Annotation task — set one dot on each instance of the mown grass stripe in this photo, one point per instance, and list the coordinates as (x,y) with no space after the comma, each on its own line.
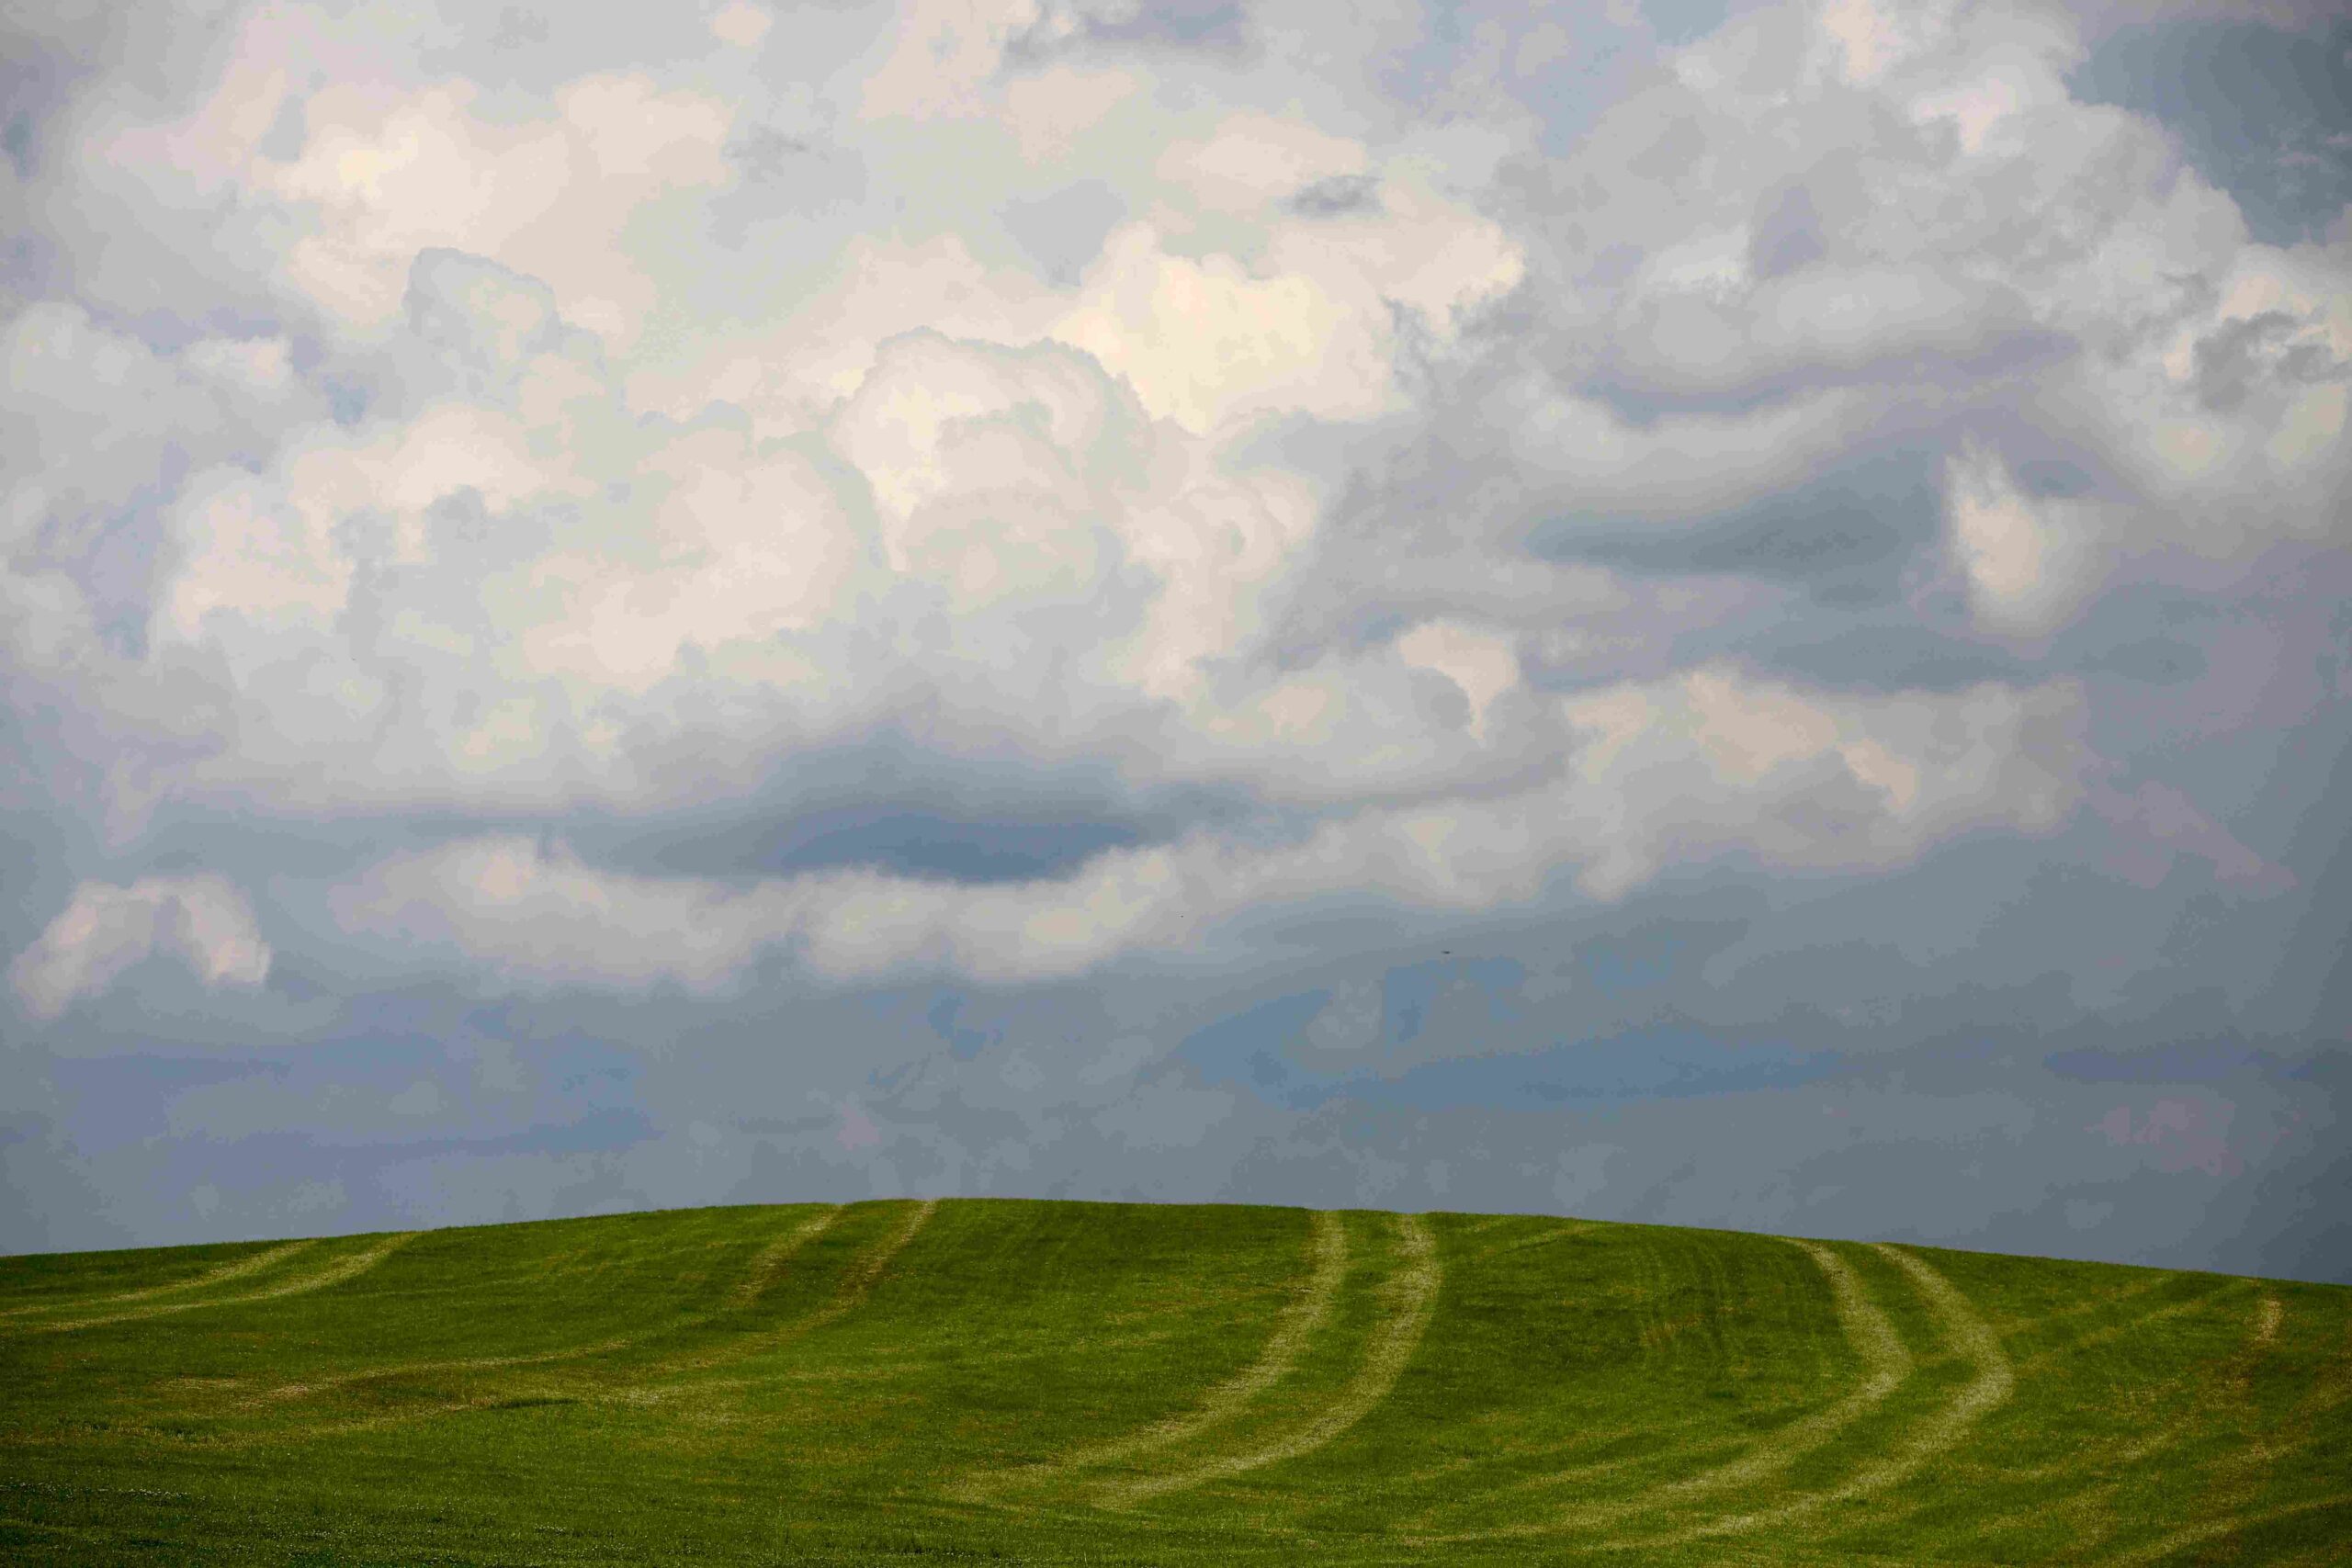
(761,1274)
(2138,1323)
(858,1282)
(2198,1534)
(1994,1384)
(236,1269)
(660,1384)
(1294,1327)
(2185,1386)
(338,1272)
(1887,1364)
(1637,1389)
(1410,1295)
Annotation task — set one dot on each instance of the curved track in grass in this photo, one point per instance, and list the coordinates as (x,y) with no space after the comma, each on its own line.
(1061,1383)
(1407,1294)
(345,1266)
(235,1269)
(1320,1289)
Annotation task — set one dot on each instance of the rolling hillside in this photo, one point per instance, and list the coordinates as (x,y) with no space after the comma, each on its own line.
(1067,1383)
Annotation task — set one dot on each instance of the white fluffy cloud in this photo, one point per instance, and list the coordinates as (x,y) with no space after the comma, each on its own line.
(205,922)
(607,444)
(386,176)
(2028,560)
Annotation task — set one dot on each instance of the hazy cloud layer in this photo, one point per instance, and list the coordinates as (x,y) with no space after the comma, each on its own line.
(1727,613)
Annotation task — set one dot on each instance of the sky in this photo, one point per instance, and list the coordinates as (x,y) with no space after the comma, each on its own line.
(1687,613)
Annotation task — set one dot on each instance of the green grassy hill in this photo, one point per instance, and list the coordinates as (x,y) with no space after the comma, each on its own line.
(1074,1382)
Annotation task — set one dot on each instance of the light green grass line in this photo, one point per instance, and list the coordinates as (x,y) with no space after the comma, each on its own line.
(661,1387)
(1994,1381)
(2034,1322)
(2088,1513)
(856,1284)
(2136,1323)
(2333,1385)
(1162,1527)
(1419,1528)
(2270,1314)
(1495,1250)
(311,1387)
(1328,1252)
(335,1273)
(2328,1390)
(236,1269)
(1674,1371)
(1411,1296)
(761,1276)
(867,1272)
(773,1257)
(2179,1542)
(1885,1362)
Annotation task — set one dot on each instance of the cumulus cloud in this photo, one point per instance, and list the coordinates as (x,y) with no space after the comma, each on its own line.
(205,922)
(2028,560)
(501,584)
(381,177)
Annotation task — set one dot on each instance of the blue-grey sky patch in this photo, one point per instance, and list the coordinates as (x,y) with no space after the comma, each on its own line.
(1215,28)
(1787,234)
(1676,22)
(1063,230)
(2264,112)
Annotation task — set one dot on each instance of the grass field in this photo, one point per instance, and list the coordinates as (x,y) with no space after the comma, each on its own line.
(1067,1383)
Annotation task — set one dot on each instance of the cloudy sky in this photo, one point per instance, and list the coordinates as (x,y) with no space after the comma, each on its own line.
(1675,612)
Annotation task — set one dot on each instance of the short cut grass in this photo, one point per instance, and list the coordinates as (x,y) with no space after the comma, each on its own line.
(1096,1383)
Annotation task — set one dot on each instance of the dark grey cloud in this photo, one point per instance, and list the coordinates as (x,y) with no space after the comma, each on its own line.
(2235,359)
